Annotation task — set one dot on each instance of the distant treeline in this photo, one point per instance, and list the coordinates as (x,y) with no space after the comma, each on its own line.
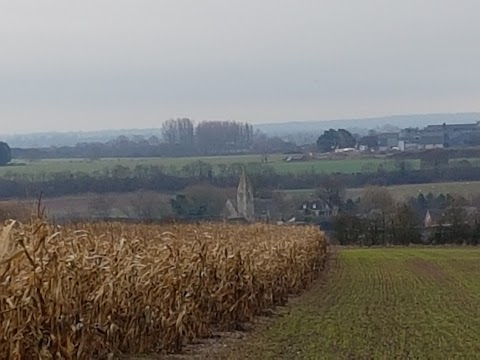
(401,229)
(375,219)
(180,137)
(263,177)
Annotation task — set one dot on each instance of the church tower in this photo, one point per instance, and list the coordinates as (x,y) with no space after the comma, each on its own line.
(245,198)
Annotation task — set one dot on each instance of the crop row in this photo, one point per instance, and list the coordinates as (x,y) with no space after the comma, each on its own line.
(92,290)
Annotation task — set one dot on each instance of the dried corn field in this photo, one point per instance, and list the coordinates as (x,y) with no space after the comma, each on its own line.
(95,290)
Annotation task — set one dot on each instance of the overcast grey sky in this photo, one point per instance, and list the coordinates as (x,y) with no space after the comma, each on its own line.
(95,64)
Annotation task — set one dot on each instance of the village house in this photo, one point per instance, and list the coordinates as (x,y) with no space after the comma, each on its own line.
(317,208)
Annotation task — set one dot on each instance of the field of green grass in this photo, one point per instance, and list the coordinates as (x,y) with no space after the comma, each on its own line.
(171,165)
(276,161)
(397,303)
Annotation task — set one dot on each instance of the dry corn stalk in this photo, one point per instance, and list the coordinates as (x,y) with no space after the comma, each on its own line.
(92,290)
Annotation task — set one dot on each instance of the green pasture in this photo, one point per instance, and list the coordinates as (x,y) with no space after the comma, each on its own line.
(172,165)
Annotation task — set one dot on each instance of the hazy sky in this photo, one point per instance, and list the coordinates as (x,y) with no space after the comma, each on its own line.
(92,64)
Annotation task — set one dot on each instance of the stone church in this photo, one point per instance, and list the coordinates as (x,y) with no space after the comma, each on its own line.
(245,205)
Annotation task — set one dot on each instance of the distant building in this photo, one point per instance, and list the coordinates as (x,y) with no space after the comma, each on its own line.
(454,134)
(388,141)
(317,208)
(440,136)
(438,217)
(453,128)
(345,150)
(368,143)
(410,138)
(430,137)
(432,141)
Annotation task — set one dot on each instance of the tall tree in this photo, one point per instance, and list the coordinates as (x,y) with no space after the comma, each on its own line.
(170,131)
(214,137)
(404,229)
(185,131)
(379,203)
(332,191)
(178,132)
(328,141)
(377,198)
(5,154)
(345,139)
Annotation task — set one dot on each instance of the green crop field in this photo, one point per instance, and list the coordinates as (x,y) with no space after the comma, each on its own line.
(398,303)
(170,164)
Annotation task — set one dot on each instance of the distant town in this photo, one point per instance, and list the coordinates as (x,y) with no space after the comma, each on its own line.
(430,137)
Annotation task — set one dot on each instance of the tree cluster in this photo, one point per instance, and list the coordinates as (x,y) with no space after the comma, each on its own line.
(376,219)
(180,138)
(335,139)
(178,132)
(208,137)
(5,154)
(199,201)
(220,137)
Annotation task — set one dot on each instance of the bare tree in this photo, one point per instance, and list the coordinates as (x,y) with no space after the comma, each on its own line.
(377,198)
(332,191)
(185,132)
(178,131)
(170,131)
(284,205)
(378,202)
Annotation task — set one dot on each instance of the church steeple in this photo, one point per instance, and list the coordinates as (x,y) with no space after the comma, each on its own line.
(245,198)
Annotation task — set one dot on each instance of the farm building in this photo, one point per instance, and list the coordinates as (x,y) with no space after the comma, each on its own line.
(388,141)
(432,141)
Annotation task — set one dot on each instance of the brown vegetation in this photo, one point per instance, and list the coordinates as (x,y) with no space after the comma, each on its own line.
(14,210)
(92,290)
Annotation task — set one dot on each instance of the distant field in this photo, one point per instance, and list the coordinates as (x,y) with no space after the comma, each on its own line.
(401,192)
(400,303)
(281,166)
(119,204)
(466,189)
